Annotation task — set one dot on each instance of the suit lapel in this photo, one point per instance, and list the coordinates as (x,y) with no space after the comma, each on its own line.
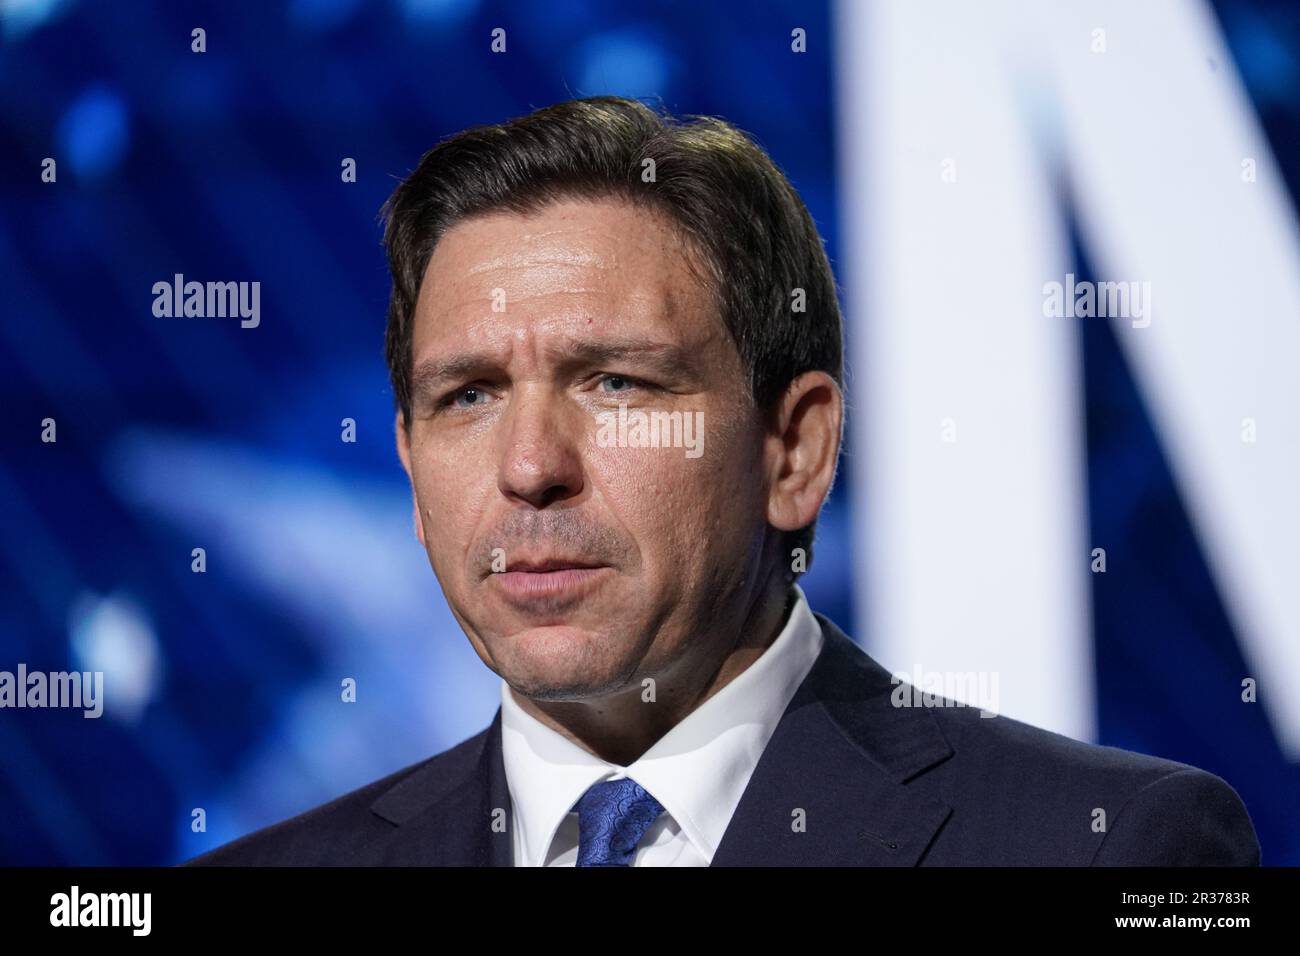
(450,813)
(829,787)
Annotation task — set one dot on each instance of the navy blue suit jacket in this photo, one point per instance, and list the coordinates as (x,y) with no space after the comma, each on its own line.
(878,784)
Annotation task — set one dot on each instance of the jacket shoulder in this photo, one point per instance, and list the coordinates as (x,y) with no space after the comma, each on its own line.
(1129,808)
(1188,817)
(1023,795)
(333,833)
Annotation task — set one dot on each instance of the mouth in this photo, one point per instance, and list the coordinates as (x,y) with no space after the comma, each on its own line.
(549,578)
(548,565)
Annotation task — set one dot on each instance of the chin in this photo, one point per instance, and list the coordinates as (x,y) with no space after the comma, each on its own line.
(570,686)
(562,662)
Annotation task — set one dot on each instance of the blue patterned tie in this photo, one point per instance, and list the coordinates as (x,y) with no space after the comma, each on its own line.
(613,816)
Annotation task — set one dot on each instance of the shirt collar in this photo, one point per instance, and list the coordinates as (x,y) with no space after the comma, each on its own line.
(698,770)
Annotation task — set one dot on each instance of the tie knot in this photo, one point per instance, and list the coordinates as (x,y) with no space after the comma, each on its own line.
(613,816)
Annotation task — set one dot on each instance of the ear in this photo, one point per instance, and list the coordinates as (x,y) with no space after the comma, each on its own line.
(404,453)
(803,450)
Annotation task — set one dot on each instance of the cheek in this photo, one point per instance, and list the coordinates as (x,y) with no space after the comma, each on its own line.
(679,509)
(452,490)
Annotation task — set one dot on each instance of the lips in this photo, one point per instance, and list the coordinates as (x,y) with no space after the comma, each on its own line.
(545,565)
(527,580)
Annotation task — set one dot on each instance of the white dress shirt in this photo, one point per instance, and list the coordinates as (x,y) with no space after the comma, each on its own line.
(697,771)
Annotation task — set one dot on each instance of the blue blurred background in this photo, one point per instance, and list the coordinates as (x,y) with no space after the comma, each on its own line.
(175,434)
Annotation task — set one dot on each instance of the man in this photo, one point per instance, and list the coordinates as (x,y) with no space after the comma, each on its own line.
(615,345)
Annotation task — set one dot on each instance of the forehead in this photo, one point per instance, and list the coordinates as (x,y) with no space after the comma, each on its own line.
(574,265)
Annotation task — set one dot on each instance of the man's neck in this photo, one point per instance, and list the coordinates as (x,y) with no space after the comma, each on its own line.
(620,727)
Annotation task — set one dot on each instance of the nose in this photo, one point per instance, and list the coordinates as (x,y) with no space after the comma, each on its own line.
(539,463)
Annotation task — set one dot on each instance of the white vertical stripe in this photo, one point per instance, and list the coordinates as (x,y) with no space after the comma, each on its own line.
(976,558)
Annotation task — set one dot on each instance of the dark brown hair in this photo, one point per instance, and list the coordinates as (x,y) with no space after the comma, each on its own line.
(730,202)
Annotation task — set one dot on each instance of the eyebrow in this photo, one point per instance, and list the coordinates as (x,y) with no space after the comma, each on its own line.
(664,358)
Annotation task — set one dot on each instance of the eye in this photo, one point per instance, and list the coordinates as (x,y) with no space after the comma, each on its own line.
(631,383)
(473,395)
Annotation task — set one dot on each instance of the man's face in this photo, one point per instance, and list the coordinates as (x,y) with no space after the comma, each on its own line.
(527,329)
